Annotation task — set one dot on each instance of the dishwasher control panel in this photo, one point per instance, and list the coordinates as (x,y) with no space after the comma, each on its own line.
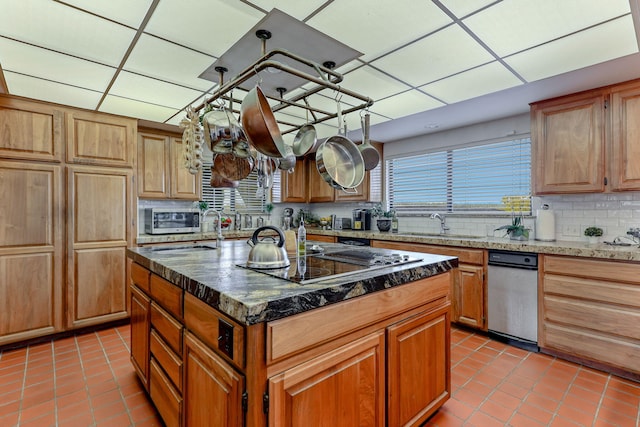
(514,259)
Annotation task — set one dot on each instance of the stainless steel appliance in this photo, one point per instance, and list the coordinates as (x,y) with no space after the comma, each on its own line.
(361,219)
(336,263)
(513,298)
(171,220)
(353,241)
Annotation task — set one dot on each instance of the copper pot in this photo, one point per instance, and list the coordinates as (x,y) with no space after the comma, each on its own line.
(260,124)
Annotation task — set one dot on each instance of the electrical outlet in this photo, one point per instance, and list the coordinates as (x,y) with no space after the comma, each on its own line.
(571,230)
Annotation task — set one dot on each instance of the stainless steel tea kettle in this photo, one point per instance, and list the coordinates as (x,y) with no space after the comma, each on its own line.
(266,253)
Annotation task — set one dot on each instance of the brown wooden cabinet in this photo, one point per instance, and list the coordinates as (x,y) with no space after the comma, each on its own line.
(294,185)
(589,309)
(469,289)
(161,174)
(585,143)
(98,233)
(140,327)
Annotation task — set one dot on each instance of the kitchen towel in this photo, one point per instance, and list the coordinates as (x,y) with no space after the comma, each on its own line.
(545,225)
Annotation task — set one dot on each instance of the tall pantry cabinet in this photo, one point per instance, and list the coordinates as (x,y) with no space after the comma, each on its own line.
(66,217)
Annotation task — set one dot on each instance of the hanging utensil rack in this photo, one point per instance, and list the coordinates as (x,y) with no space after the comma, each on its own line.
(326,78)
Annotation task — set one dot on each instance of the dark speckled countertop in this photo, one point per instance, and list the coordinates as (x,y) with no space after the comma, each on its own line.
(252,297)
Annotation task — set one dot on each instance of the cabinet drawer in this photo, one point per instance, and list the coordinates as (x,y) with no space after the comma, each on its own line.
(594,269)
(165,397)
(167,359)
(595,290)
(168,295)
(140,276)
(168,327)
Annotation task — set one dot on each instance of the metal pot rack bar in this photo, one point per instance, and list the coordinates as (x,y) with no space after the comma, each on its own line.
(327,79)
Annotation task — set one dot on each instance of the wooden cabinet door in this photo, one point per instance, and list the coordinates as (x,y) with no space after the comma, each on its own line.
(294,185)
(319,190)
(212,392)
(625,143)
(468,296)
(183,184)
(100,139)
(342,388)
(153,166)
(140,325)
(98,233)
(31,250)
(30,130)
(418,376)
(568,145)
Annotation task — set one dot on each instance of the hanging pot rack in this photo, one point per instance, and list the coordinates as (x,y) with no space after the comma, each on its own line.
(326,78)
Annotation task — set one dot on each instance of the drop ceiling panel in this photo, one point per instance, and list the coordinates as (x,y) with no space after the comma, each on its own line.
(296,8)
(44,90)
(373,83)
(209,26)
(405,104)
(37,62)
(605,42)
(160,59)
(65,29)
(132,108)
(126,12)
(376,27)
(524,24)
(152,91)
(444,53)
(479,81)
(462,8)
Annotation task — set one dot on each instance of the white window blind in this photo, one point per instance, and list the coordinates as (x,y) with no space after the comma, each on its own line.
(491,178)
(245,198)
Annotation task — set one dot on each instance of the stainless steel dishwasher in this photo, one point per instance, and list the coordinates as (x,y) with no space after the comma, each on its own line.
(513,298)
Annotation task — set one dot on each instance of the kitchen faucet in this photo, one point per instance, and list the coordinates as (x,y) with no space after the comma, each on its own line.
(219,236)
(443,227)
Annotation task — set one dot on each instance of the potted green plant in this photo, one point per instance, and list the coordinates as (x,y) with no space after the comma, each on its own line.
(593,233)
(383,221)
(516,230)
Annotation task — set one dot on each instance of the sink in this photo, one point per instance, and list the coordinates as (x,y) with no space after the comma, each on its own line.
(443,236)
(183,247)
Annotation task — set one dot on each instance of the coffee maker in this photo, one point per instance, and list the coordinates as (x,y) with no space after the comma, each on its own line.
(361,219)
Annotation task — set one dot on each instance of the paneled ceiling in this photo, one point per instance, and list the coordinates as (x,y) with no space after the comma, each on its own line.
(429,65)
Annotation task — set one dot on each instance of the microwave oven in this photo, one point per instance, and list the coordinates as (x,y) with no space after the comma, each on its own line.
(167,221)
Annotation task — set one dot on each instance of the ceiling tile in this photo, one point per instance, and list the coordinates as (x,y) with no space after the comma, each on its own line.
(56,26)
(152,91)
(45,90)
(370,82)
(602,43)
(45,64)
(462,8)
(132,108)
(376,27)
(210,26)
(296,8)
(444,53)
(405,104)
(160,59)
(479,81)
(126,12)
(524,24)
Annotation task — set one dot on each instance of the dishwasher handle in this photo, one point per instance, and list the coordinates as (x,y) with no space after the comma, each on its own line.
(525,260)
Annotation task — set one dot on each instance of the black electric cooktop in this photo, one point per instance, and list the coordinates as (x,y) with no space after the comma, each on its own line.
(320,266)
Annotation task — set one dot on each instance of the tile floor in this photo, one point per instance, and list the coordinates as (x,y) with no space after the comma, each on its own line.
(88,381)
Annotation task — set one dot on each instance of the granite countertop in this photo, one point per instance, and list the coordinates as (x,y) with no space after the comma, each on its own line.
(579,249)
(251,297)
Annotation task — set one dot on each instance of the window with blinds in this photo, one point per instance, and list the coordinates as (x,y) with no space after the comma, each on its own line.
(483,179)
(246,198)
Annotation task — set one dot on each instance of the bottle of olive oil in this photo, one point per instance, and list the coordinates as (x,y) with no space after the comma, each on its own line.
(394,223)
(302,238)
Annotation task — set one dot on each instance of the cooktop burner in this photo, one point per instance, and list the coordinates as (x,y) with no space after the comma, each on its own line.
(314,268)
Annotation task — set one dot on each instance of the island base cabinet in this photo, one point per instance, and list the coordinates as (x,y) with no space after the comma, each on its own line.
(165,397)
(418,367)
(213,390)
(140,323)
(342,388)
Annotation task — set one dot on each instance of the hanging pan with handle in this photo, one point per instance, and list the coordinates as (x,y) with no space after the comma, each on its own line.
(260,124)
(369,153)
(306,138)
(339,161)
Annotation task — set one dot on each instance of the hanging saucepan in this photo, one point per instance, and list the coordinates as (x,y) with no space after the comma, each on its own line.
(306,138)
(217,130)
(218,181)
(369,153)
(259,124)
(232,167)
(339,161)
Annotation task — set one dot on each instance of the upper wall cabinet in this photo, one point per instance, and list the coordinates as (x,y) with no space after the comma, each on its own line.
(100,139)
(587,142)
(30,130)
(160,171)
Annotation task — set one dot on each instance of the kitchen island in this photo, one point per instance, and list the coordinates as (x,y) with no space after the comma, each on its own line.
(217,344)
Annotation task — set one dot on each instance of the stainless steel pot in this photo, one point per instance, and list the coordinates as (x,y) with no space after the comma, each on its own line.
(267,253)
(218,131)
(369,153)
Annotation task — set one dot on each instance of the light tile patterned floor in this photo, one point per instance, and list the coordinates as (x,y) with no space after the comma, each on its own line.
(88,381)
